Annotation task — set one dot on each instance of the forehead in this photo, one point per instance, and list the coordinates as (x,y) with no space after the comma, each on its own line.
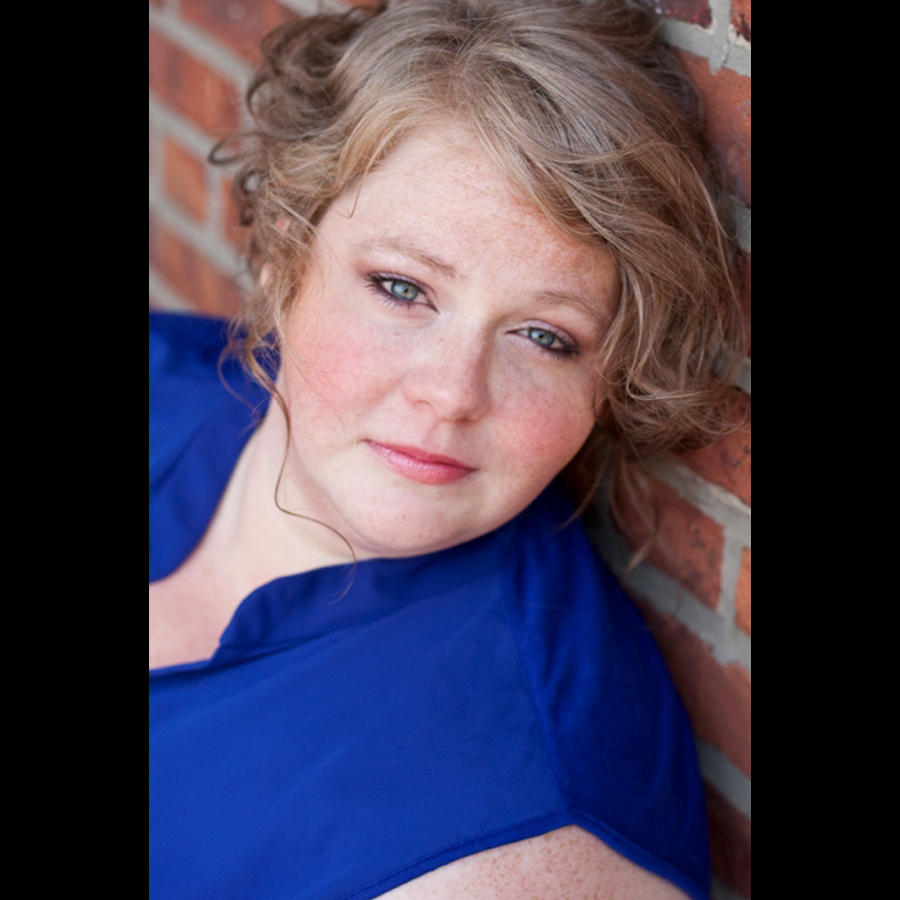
(440,196)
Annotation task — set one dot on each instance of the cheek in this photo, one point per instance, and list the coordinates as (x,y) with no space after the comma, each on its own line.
(542,434)
(337,367)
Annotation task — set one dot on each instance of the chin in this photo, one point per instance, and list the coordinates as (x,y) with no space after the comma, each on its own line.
(406,532)
(404,543)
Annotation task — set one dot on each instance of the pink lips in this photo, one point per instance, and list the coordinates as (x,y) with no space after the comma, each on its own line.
(428,468)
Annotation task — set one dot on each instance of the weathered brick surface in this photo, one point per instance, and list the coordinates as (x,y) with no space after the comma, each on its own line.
(240,26)
(740,18)
(192,88)
(237,236)
(688,545)
(730,842)
(185,180)
(717,696)
(743,275)
(726,98)
(695,11)
(190,274)
(727,462)
(742,593)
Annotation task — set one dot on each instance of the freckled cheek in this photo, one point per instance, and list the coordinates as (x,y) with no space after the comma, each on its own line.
(347,366)
(543,435)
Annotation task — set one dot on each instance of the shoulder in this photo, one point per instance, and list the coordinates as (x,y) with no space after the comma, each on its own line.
(568,862)
(182,343)
(183,382)
(617,733)
(191,379)
(189,365)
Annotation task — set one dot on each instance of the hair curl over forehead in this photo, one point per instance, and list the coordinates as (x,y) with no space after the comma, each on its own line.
(588,116)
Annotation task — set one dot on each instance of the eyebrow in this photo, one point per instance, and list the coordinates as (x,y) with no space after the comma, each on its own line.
(577,302)
(400,246)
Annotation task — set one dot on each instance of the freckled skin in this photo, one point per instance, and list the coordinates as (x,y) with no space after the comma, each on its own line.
(458,377)
(566,864)
(456,372)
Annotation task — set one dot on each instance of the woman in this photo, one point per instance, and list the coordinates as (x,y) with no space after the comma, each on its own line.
(385,661)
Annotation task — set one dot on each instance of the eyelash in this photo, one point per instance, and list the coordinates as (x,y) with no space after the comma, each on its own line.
(566,351)
(377,281)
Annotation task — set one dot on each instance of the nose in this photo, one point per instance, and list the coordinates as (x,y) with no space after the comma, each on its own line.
(450,374)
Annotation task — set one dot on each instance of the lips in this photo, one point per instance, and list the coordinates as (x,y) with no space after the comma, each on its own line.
(420,465)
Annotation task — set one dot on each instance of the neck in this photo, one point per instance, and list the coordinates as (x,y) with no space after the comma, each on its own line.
(264,530)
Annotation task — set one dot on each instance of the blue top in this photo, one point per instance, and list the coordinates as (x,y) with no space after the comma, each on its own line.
(339,744)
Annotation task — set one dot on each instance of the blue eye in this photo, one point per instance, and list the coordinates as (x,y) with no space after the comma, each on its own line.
(550,341)
(542,337)
(399,292)
(403,290)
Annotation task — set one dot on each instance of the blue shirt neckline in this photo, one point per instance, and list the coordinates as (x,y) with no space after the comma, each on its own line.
(184,497)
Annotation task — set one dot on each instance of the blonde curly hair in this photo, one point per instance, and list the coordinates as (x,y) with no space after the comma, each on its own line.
(587,114)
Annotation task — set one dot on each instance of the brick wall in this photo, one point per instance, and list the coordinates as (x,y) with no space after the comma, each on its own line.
(694,589)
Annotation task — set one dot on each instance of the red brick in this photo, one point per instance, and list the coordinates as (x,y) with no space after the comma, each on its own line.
(237,235)
(190,274)
(185,180)
(695,11)
(727,461)
(726,98)
(688,545)
(740,18)
(743,279)
(717,697)
(192,88)
(742,593)
(729,835)
(239,25)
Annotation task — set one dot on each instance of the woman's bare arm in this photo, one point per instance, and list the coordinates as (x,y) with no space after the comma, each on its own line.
(566,864)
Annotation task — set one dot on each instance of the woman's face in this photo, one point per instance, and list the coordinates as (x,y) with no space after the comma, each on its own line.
(439,360)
